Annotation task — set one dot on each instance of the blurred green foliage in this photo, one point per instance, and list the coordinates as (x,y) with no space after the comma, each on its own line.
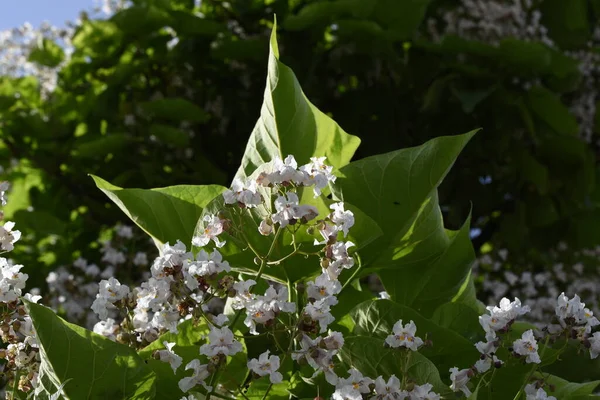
(162,94)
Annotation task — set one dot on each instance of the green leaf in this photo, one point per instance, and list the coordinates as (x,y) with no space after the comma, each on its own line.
(167,214)
(398,191)
(101,146)
(47,53)
(568,24)
(141,19)
(291,124)
(175,109)
(548,107)
(459,318)
(375,319)
(369,356)
(89,365)
(190,24)
(427,285)
(169,135)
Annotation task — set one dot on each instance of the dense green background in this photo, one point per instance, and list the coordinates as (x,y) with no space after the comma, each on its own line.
(370,64)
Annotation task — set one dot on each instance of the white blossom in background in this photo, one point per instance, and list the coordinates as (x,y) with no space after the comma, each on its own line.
(404,336)
(324,288)
(460,379)
(527,346)
(533,393)
(198,377)
(266,365)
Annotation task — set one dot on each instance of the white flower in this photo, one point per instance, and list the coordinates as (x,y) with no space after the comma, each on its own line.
(527,346)
(320,311)
(460,379)
(220,320)
(317,174)
(356,380)
(265,228)
(169,356)
(344,219)
(500,317)
(257,312)
(594,345)
(213,227)
(573,312)
(277,300)
(112,290)
(140,259)
(8,237)
(324,288)
(200,374)
(423,392)
(334,341)
(124,231)
(266,365)
(100,307)
(534,393)
(347,393)
(488,350)
(389,390)
(206,264)
(285,171)
(404,336)
(243,193)
(243,295)
(106,328)
(288,210)
(221,341)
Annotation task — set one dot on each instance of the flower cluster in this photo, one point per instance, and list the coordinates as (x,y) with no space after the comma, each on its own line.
(72,289)
(576,322)
(21,351)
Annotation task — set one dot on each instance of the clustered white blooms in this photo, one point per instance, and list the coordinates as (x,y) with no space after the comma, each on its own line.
(575,321)
(493,20)
(72,289)
(16,45)
(570,272)
(490,21)
(21,351)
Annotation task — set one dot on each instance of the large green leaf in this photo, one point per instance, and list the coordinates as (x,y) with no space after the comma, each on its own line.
(398,191)
(176,109)
(167,214)
(375,319)
(89,366)
(290,124)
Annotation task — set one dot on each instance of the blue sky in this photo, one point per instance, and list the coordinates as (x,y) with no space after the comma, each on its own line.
(16,12)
